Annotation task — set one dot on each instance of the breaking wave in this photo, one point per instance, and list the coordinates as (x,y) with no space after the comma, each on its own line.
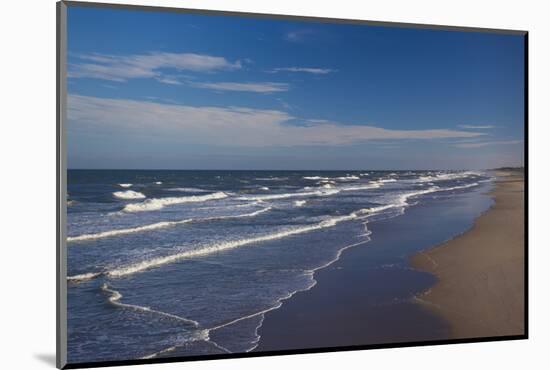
(158,225)
(212,248)
(159,203)
(129,194)
(115,300)
(189,190)
(318,193)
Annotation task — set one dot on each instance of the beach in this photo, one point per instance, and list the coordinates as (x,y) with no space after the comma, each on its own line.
(480,288)
(472,279)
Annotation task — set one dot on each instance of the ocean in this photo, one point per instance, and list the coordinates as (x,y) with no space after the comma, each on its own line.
(165,263)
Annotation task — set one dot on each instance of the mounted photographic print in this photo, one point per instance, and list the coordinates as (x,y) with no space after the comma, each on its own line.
(234,184)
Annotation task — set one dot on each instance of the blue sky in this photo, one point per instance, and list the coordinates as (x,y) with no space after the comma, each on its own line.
(183,91)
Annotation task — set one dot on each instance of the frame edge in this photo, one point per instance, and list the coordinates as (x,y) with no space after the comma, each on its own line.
(61,188)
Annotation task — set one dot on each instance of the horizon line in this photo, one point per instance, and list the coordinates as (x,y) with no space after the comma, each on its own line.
(290,170)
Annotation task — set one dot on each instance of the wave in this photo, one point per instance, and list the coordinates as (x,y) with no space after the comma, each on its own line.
(347,178)
(460,187)
(125,185)
(233,244)
(84,277)
(264,188)
(276,304)
(158,182)
(189,190)
(315,178)
(109,233)
(271,178)
(448,176)
(319,193)
(400,203)
(159,225)
(342,178)
(115,300)
(129,194)
(159,203)
(371,185)
(212,248)
(403,198)
(299,203)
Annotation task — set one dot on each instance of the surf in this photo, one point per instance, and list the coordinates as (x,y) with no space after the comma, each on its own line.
(129,194)
(155,204)
(159,225)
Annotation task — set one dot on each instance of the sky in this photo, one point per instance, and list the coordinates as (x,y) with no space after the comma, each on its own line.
(159,90)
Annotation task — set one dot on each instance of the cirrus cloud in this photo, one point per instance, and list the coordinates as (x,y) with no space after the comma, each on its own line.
(258,87)
(318,71)
(477,127)
(225,126)
(122,68)
(487,143)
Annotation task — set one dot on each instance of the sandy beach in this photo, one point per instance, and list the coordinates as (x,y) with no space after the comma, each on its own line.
(480,288)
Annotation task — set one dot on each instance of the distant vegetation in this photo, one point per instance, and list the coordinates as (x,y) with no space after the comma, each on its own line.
(520,169)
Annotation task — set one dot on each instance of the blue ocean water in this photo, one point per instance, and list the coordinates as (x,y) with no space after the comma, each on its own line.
(188,262)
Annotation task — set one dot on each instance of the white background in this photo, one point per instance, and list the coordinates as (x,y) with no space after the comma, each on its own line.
(27,204)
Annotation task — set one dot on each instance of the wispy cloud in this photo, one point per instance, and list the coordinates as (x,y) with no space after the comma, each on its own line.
(122,68)
(318,71)
(169,80)
(258,87)
(477,127)
(486,143)
(298,35)
(226,126)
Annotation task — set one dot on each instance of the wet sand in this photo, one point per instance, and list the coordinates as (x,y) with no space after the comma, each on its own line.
(480,288)
(474,282)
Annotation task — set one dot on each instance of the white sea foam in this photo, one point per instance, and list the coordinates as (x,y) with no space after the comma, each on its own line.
(159,225)
(115,300)
(211,249)
(158,182)
(159,203)
(264,188)
(129,194)
(401,201)
(271,178)
(299,203)
(383,181)
(448,176)
(347,178)
(361,187)
(125,185)
(117,232)
(315,178)
(189,190)
(83,277)
(206,250)
(318,193)
(224,246)
(327,186)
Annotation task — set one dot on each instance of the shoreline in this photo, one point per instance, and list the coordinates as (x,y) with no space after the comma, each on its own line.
(480,273)
(367,296)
